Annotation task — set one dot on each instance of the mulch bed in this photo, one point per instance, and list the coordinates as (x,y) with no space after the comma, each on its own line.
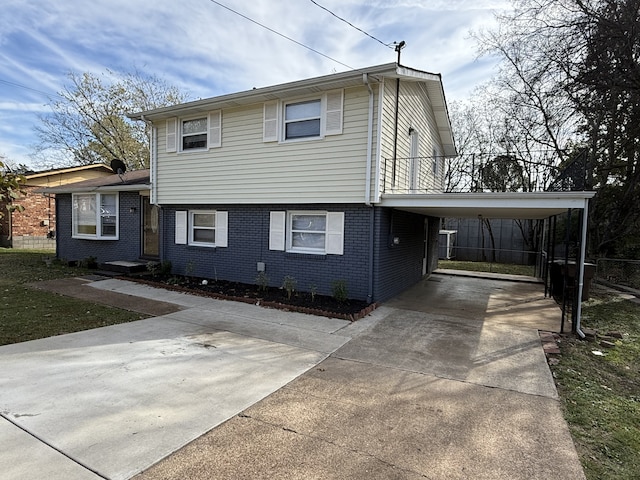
(270,297)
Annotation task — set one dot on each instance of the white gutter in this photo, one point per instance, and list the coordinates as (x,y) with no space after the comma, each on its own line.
(153,151)
(367,186)
(583,249)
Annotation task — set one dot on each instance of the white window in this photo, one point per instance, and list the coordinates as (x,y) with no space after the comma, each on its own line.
(314,232)
(302,119)
(95,216)
(204,228)
(194,133)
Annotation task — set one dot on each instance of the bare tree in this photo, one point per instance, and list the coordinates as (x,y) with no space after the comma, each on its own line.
(88,123)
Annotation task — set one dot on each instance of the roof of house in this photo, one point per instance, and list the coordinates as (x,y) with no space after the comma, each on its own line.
(130,181)
(308,86)
(63,170)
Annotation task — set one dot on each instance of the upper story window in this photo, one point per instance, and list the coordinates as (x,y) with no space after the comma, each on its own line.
(95,216)
(194,133)
(302,119)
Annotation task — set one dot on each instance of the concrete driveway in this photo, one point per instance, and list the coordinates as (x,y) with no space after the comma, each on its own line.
(109,402)
(418,389)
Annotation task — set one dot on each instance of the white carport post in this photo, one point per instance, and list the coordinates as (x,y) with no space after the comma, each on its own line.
(583,249)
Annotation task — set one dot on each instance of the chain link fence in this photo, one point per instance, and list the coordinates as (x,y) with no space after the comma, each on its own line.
(620,272)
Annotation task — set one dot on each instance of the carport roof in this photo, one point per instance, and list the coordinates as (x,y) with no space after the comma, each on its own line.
(521,205)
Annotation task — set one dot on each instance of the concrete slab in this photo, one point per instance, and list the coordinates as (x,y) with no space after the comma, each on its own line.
(352,420)
(44,461)
(484,300)
(493,355)
(120,398)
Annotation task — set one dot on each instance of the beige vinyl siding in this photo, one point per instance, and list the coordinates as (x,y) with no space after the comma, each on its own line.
(415,111)
(247,170)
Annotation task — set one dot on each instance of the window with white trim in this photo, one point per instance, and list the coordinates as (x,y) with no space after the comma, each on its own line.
(302,119)
(201,228)
(95,216)
(194,133)
(313,232)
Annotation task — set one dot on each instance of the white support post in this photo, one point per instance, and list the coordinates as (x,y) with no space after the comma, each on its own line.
(583,249)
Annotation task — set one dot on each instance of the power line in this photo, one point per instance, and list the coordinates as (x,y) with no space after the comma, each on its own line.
(281,34)
(388,45)
(49,95)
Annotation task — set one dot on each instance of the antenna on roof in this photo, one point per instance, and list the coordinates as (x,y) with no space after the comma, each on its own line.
(399,47)
(118,167)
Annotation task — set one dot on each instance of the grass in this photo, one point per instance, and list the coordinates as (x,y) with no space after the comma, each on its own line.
(506,268)
(29,314)
(601,394)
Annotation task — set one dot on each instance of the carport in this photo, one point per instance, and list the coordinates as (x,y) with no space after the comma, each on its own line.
(510,205)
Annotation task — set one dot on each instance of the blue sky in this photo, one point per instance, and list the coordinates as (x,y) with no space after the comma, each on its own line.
(206,50)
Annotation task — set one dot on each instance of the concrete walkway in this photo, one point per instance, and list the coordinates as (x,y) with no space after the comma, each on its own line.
(454,385)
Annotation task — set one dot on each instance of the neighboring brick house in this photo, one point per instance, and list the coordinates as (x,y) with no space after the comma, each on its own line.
(325,179)
(34,227)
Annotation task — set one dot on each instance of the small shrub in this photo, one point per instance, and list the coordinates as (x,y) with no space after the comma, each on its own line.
(289,284)
(153,268)
(262,281)
(165,267)
(313,290)
(190,268)
(88,262)
(339,290)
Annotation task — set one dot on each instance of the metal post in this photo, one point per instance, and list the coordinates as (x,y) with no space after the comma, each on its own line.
(566,268)
(583,250)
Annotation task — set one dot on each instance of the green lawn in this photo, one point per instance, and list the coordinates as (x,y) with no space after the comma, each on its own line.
(601,394)
(28,314)
(507,268)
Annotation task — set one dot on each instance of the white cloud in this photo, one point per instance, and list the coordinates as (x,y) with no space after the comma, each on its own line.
(207,50)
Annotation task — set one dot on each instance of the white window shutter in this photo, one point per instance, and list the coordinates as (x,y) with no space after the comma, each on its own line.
(181,227)
(172,134)
(335,233)
(277,227)
(333,117)
(215,129)
(222,219)
(270,127)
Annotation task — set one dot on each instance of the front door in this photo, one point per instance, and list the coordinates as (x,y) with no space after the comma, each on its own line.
(150,230)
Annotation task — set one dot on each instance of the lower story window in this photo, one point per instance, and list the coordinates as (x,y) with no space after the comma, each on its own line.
(95,216)
(203,228)
(307,231)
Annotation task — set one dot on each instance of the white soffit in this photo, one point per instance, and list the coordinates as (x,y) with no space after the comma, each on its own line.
(521,205)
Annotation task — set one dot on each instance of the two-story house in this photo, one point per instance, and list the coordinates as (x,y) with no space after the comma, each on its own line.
(331,178)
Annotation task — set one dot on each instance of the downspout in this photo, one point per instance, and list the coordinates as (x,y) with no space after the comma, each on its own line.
(367,186)
(152,160)
(583,250)
(395,133)
(367,189)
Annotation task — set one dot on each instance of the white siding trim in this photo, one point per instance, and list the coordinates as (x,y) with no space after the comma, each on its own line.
(335,233)
(215,129)
(270,122)
(172,137)
(222,221)
(277,228)
(181,227)
(333,113)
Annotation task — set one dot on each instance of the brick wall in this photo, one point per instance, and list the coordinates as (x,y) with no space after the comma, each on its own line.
(128,247)
(248,244)
(32,227)
(397,267)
